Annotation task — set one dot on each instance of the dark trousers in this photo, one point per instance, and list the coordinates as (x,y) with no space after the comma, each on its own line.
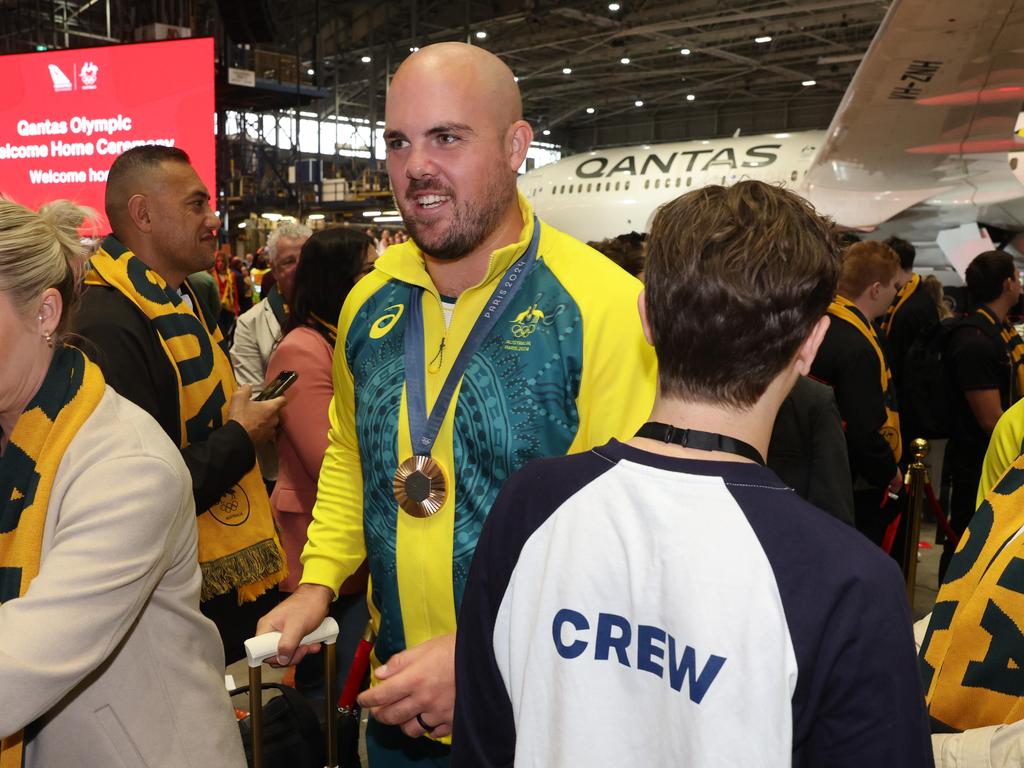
(963,495)
(388,747)
(869,517)
(237,623)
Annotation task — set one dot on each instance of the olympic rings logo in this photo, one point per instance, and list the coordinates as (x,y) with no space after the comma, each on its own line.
(521,331)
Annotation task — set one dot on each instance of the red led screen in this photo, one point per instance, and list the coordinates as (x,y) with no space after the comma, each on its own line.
(66,115)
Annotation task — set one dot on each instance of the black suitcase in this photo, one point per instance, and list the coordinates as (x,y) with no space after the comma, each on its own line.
(286,734)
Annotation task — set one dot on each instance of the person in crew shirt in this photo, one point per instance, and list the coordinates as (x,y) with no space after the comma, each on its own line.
(668,601)
(851,361)
(560,365)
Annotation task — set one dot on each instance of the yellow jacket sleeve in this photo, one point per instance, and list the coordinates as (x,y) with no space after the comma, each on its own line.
(1003,448)
(335,547)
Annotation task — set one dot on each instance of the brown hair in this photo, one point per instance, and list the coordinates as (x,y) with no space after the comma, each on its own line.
(865,264)
(933,287)
(625,250)
(736,279)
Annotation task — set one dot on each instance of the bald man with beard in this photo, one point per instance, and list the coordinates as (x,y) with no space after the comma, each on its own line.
(487,340)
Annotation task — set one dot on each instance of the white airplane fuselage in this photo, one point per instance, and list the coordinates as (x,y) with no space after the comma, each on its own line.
(601,194)
(604,193)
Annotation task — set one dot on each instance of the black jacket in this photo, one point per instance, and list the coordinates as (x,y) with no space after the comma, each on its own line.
(119,338)
(847,362)
(917,313)
(808,451)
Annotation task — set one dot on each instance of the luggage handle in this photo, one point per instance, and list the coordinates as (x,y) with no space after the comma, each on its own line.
(262,647)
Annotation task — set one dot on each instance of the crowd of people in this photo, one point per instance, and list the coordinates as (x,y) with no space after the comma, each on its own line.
(590,519)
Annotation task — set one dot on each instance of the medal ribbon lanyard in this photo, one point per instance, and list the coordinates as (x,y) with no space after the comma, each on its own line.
(423,429)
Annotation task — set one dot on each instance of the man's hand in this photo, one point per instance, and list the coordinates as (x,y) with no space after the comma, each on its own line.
(295,618)
(258,418)
(418,681)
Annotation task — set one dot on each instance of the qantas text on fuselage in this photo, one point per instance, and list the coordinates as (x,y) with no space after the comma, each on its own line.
(754,157)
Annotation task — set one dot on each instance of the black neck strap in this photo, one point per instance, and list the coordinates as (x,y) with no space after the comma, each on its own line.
(701,441)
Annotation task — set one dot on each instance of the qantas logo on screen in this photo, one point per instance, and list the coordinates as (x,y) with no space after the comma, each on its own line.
(88,74)
(60,80)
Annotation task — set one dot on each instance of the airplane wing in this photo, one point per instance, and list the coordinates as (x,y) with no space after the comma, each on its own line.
(929,116)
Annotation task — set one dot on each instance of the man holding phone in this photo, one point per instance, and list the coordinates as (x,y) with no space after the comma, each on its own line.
(138,316)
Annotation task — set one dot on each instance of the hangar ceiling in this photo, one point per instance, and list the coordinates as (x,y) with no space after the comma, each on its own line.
(735,83)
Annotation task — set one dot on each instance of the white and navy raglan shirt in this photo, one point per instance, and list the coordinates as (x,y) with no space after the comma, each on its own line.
(630,609)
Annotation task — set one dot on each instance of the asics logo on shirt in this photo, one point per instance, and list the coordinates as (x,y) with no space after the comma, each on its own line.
(383,324)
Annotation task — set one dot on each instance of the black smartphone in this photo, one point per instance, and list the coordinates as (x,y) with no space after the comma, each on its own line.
(277,387)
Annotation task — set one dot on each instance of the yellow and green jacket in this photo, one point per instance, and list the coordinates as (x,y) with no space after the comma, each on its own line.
(565,368)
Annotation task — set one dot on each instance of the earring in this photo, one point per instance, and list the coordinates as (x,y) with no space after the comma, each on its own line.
(49,339)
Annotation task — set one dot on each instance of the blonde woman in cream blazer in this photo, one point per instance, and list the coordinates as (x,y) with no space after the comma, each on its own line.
(105,659)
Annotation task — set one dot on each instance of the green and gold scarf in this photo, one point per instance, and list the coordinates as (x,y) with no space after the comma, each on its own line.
(843,309)
(238,544)
(972,658)
(1014,348)
(901,298)
(71,390)
(278,305)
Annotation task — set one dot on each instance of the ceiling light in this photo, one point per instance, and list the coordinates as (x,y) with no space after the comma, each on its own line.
(316,217)
(807,83)
(390,213)
(387,219)
(763,39)
(515,79)
(685,51)
(566,70)
(366,59)
(371,214)
(271,216)
(780,135)
(413,48)
(546,132)
(690,97)
(613,7)
(624,60)
(241,225)
(590,110)
(638,103)
(310,71)
(481,35)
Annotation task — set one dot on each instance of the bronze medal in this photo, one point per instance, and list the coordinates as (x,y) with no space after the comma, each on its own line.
(420,486)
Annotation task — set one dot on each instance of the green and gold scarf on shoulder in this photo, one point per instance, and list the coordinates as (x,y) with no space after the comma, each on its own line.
(238,543)
(843,309)
(972,658)
(1014,348)
(71,390)
(902,295)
